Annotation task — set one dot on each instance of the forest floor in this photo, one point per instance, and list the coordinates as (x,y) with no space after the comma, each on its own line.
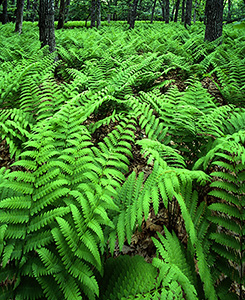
(141,243)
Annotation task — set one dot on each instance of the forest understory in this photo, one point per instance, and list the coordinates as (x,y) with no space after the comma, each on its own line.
(132,143)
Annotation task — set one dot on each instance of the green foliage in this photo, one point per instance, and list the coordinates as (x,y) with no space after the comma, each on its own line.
(75,129)
(125,277)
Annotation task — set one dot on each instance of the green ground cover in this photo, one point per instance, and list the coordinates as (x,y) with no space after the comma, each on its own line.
(129,135)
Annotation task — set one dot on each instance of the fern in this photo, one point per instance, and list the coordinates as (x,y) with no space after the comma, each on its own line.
(124,277)
(71,193)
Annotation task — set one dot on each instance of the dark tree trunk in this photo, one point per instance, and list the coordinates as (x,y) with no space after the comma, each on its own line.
(173,10)
(214,19)
(19,16)
(176,11)
(188,12)
(5,11)
(93,13)
(153,10)
(166,11)
(28,4)
(183,11)
(129,11)
(133,14)
(98,10)
(162,3)
(195,12)
(229,12)
(46,24)
(61,19)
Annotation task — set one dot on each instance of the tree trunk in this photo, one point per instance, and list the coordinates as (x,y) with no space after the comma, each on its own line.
(5,11)
(61,19)
(188,13)
(195,12)
(166,11)
(183,11)
(162,4)
(229,12)
(133,14)
(153,10)
(93,13)
(108,18)
(19,16)
(46,24)
(98,10)
(173,10)
(214,19)
(177,11)
(129,11)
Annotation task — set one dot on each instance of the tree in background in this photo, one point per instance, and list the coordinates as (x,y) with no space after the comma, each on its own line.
(188,12)
(214,19)
(132,13)
(183,11)
(46,24)
(19,16)
(93,13)
(167,11)
(61,18)
(5,11)
(153,10)
(229,11)
(176,10)
(98,15)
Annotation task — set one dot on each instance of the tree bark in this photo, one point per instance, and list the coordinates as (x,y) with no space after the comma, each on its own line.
(173,10)
(162,4)
(153,10)
(183,11)
(5,11)
(214,19)
(93,13)
(229,11)
(133,14)
(195,12)
(46,24)
(188,13)
(166,11)
(19,16)
(61,18)
(98,10)
(176,11)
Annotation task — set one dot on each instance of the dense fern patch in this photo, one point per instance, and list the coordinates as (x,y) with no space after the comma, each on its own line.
(73,194)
